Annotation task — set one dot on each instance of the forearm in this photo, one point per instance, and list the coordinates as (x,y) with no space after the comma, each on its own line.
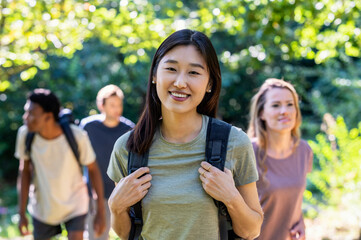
(23,185)
(246,222)
(97,184)
(121,224)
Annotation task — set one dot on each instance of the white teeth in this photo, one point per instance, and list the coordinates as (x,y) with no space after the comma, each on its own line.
(179,95)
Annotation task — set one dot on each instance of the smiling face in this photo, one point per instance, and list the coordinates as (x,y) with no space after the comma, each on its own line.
(279,112)
(182,80)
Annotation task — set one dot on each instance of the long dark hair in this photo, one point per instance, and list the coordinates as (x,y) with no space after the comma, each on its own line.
(141,138)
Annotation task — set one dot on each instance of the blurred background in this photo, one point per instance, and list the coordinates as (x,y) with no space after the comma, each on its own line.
(76,47)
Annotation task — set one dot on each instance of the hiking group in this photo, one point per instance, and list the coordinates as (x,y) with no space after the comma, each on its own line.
(179,173)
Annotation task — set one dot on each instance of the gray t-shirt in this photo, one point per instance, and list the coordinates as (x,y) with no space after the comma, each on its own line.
(176,206)
(281,193)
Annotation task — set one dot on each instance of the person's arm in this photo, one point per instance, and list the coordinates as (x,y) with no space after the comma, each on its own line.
(23,184)
(242,202)
(298,230)
(246,212)
(97,184)
(128,191)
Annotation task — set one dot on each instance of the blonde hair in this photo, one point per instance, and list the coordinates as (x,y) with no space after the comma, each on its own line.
(257,126)
(106,92)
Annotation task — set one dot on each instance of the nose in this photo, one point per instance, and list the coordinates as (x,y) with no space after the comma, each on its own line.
(25,116)
(181,81)
(284,110)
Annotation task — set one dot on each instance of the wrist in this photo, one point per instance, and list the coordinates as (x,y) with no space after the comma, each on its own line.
(233,199)
(22,213)
(119,210)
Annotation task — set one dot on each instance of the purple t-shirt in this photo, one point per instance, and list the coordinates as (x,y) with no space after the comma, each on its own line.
(281,193)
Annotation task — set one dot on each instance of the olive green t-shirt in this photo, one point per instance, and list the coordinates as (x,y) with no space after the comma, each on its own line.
(176,206)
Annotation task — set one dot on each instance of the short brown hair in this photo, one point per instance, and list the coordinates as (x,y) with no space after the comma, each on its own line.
(108,91)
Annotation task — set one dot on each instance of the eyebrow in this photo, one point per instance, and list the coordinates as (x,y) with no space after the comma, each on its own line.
(192,64)
(277,101)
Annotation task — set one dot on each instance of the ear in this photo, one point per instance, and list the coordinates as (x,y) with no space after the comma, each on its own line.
(261,115)
(48,116)
(209,87)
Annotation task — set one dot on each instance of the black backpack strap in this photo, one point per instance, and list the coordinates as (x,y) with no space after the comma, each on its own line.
(28,141)
(216,153)
(216,142)
(136,161)
(65,126)
(65,118)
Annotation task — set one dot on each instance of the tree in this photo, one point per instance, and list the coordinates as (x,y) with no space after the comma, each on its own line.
(76,47)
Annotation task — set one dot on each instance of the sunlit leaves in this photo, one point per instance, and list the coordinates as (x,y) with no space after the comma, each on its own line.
(338,154)
(317,30)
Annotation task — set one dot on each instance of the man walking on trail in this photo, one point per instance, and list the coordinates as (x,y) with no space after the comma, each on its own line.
(50,173)
(103,130)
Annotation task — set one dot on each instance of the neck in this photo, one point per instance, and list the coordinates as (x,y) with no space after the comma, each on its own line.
(279,145)
(110,122)
(50,131)
(181,128)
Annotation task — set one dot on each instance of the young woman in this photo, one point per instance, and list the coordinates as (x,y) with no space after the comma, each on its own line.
(178,186)
(283,159)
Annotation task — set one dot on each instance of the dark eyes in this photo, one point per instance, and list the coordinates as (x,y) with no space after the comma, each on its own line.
(170,69)
(277,105)
(174,70)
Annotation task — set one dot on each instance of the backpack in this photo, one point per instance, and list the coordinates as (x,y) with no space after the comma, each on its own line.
(65,119)
(216,151)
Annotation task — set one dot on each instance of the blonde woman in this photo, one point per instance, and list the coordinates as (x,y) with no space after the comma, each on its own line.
(283,159)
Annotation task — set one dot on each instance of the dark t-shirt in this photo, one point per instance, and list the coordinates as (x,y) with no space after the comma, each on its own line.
(102,139)
(281,193)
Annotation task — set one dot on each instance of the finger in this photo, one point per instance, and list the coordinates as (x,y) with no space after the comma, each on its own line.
(202,178)
(146,186)
(139,172)
(202,171)
(143,194)
(145,178)
(227,171)
(206,166)
(23,230)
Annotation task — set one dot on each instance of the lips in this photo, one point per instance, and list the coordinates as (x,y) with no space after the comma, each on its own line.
(179,95)
(284,120)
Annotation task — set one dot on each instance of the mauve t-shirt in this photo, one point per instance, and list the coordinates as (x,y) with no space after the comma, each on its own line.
(281,198)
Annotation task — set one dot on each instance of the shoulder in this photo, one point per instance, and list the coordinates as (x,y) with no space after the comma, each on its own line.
(78,131)
(122,141)
(120,151)
(304,146)
(22,132)
(239,137)
(306,154)
(127,122)
(91,119)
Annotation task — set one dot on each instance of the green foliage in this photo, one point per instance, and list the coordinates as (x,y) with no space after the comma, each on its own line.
(264,31)
(77,47)
(337,169)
